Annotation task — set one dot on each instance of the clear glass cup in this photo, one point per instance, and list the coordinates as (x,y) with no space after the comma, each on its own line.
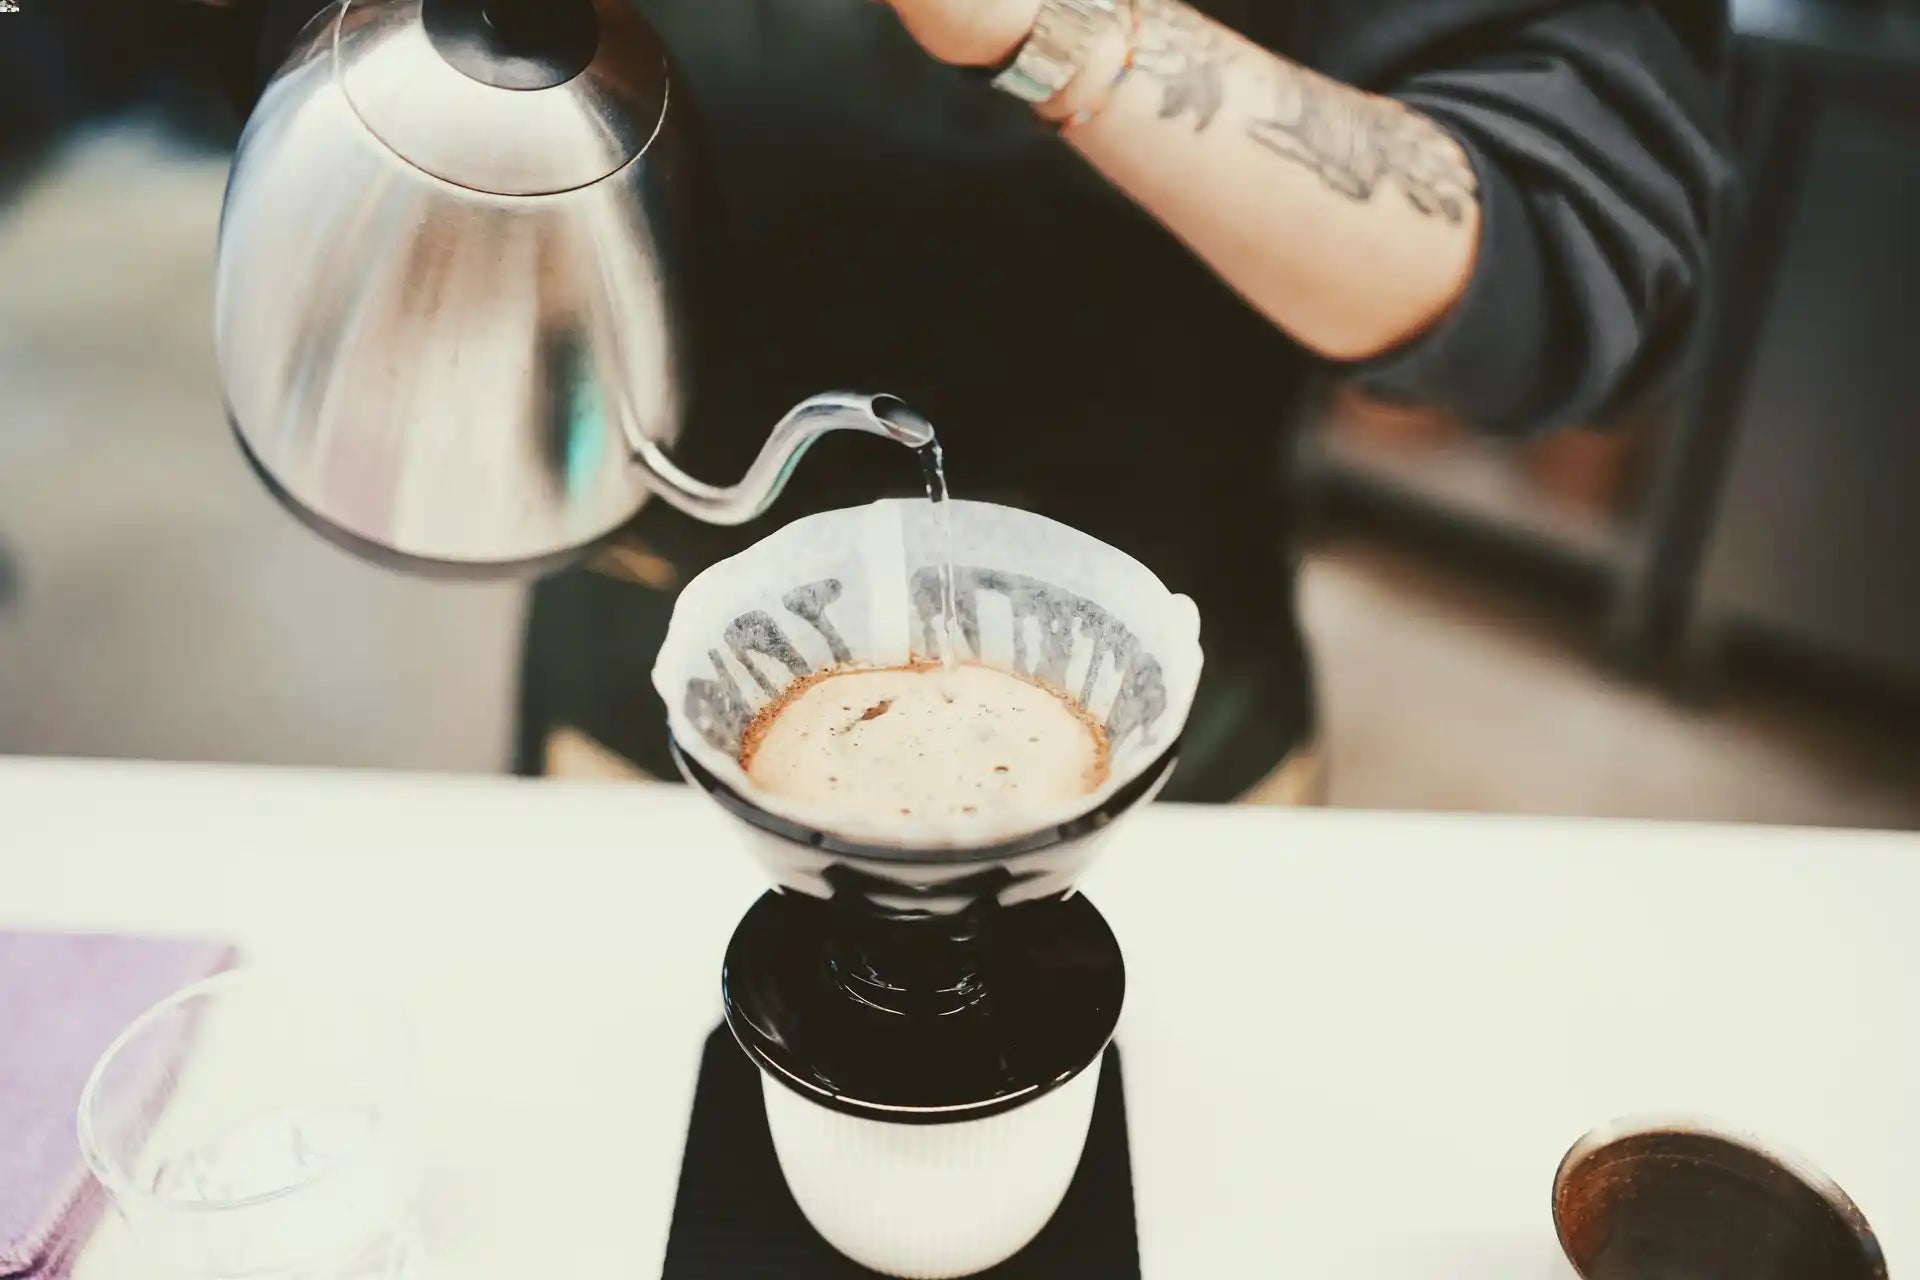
(258,1126)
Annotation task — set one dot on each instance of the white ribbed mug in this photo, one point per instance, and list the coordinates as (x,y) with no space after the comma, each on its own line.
(931,1201)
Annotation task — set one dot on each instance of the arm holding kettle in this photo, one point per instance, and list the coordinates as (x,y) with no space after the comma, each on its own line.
(1348,219)
(1514,227)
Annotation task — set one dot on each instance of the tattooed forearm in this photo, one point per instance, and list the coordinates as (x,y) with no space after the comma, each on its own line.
(1187,55)
(1356,142)
(1353,141)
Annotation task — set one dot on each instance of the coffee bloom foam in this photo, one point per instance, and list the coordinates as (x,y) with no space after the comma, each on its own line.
(969,746)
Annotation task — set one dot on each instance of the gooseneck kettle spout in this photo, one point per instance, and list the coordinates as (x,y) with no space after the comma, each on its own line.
(454,278)
(806,422)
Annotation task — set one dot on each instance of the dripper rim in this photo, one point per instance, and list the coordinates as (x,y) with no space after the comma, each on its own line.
(1136,790)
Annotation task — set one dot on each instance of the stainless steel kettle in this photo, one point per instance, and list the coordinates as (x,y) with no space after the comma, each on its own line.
(452,280)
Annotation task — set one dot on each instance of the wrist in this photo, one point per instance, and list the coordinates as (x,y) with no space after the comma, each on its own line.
(1075,54)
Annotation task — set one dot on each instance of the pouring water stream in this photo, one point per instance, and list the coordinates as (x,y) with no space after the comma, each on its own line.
(933,471)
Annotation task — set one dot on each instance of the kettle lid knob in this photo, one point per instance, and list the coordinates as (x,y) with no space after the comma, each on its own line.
(514,44)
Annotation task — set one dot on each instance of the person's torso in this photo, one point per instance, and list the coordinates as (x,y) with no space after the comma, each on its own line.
(882,222)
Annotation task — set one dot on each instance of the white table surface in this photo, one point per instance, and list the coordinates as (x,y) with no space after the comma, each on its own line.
(1355,1045)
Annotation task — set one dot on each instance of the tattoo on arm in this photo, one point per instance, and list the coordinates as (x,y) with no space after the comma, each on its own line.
(1356,142)
(1353,141)
(1187,54)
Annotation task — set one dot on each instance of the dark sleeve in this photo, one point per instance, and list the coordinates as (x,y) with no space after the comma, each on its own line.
(1593,130)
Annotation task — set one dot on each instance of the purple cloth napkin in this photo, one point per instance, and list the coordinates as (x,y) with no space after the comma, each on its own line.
(63,998)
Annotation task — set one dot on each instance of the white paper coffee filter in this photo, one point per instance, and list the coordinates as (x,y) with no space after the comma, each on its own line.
(861,587)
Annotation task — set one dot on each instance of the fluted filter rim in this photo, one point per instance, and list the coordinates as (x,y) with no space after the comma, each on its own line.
(861,586)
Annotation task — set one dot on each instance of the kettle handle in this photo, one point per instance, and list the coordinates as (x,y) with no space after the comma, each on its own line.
(880,415)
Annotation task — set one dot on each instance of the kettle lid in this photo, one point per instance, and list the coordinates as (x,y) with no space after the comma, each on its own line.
(507,97)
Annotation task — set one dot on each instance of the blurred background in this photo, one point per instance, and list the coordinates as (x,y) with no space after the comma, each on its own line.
(1712,613)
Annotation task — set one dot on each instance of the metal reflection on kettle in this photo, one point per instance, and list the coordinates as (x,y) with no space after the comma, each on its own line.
(452,280)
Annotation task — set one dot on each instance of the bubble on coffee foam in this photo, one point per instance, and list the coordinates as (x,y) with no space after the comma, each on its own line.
(972,745)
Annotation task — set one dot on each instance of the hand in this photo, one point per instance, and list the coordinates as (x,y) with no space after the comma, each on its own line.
(968,33)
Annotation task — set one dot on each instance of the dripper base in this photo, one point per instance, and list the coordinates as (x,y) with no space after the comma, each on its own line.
(931,1023)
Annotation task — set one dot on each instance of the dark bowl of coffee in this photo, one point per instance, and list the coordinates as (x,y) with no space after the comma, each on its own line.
(910,885)
(1678,1201)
